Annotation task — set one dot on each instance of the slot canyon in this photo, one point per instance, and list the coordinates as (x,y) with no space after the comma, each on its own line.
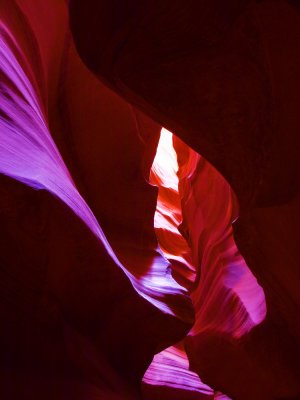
(149,199)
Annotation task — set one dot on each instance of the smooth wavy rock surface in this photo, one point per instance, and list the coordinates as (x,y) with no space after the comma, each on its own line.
(89,289)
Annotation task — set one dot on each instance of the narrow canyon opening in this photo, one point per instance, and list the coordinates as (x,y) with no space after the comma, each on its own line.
(193,223)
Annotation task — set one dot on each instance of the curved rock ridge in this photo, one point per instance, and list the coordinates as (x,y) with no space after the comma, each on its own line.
(99,291)
(29,154)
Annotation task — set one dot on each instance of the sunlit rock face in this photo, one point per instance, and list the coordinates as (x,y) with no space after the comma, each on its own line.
(193,221)
(169,375)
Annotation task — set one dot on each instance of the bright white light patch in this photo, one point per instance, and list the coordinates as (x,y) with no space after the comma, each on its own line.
(165,164)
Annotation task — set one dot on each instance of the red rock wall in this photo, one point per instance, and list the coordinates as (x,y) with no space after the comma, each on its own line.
(87,296)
